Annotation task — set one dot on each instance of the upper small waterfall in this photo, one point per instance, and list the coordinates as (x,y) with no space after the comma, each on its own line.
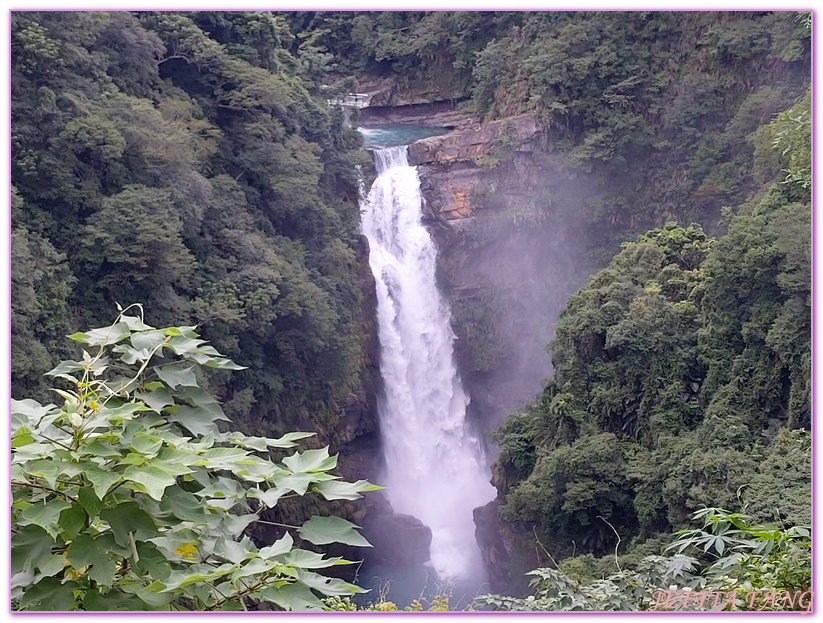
(436,469)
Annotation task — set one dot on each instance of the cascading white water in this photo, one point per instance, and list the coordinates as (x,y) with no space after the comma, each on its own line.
(435,466)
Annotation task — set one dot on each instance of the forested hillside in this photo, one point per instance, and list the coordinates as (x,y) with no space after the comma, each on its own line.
(185,162)
(681,380)
(191,162)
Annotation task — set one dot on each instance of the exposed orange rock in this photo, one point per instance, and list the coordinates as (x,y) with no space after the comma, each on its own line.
(459,205)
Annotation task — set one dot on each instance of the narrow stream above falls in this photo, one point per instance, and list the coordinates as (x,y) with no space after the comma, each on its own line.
(436,470)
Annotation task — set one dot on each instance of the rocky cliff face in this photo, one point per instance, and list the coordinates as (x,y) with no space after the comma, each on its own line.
(507,258)
(386,92)
(356,435)
(458,167)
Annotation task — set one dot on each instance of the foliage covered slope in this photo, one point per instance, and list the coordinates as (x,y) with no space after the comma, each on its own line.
(184,160)
(682,379)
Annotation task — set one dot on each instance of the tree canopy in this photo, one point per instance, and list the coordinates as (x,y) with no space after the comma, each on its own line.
(184,160)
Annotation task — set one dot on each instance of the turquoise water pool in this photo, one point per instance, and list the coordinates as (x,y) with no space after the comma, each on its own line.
(389,136)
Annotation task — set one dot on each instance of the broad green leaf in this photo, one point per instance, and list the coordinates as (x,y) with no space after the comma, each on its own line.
(340,490)
(251,443)
(31,452)
(45,469)
(53,565)
(176,374)
(89,501)
(157,600)
(184,331)
(235,524)
(278,548)
(85,551)
(255,470)
(172,468)
(119,413)
(311,560)
(66,367)
(16,472)
(132,458)
(70,470)
(222,504)
(196,420)
(132,355)
(21,437)
(201,398)
(157,399)
(233,551)
(103,335)
(171,542)
(325,530)
(152,561)
(311,461)
(299,483)
(114,601)
(147,340)
(328,586)
(255,566)
(29,412)
(220,363)
(72,521)
(287,440)
(269,497)
(154,480)
(182,345)
(102,480)
(30,548)
(223,487)
(47,515)
(18,580)
(129,517)
(223,456)
(146,444)
(50,594)
(174,455)
(195,574)
(135,324)
(296,597)
(99,448)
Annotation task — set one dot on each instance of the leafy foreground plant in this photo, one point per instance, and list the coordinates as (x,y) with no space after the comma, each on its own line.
(438,603)
(735,566)
(129,497)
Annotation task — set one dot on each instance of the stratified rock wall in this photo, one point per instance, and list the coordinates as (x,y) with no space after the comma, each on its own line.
(508,237)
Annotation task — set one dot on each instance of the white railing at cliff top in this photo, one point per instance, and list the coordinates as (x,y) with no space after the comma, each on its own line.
(352,100)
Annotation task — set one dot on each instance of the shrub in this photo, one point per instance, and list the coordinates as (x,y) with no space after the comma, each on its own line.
(128,496)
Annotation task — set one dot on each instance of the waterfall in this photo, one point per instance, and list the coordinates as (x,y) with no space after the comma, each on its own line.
(436,470)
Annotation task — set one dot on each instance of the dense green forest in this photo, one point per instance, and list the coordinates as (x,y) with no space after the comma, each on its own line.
(183,161)
(189,161)
(680,372)
(681,381)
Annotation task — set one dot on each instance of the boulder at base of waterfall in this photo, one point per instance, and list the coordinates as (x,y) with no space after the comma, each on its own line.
(397,539)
